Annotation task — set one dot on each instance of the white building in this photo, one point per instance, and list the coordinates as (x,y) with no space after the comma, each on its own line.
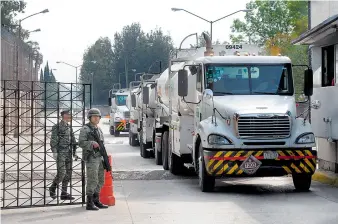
(322,38)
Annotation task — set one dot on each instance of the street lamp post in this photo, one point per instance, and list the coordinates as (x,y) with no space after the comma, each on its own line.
(19,34)
(61,62)
(126,74)
(33,31)
(210,21)
(17,94)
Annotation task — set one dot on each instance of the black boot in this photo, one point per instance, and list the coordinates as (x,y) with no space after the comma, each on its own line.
(90,203)
(65,195)
(97,203)
(52,190)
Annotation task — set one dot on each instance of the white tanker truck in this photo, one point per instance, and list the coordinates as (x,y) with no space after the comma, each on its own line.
(119,112)
(233,116)
(146,124)
(135,88)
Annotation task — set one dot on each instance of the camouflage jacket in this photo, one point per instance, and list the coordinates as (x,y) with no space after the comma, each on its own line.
(86,140)
(62,137)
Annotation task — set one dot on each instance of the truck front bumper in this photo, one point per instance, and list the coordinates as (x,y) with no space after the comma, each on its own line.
(286,161)
(122,126)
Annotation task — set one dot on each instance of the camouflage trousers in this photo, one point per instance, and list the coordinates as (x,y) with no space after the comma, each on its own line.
(64,168)
(95,175)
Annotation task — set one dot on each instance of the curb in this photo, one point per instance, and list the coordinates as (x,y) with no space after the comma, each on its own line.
(325,178)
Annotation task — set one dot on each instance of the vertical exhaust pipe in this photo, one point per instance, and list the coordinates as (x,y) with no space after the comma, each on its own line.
(208,45)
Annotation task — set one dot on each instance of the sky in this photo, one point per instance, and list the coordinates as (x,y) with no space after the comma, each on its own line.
(71,26)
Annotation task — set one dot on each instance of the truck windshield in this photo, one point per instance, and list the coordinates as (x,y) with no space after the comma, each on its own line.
(252,79)
(121,100)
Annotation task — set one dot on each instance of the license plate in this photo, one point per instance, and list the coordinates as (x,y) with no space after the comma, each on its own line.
(270,155)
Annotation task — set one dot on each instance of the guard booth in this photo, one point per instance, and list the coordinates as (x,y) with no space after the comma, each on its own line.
(32,108)
(322,39)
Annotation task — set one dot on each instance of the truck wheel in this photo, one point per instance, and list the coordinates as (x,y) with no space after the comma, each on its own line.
(175,163)
(206,182)
(130,137)
(133,140)
(111,130)
(143,147)
(165,142)
(302,182)
(158,157)
(117,134)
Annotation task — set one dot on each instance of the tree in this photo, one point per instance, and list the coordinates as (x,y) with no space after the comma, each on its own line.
(97,69)
(133,51)
(272,25)
(9,10)
(41,76)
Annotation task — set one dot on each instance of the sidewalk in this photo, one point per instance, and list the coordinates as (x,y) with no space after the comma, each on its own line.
(326,177)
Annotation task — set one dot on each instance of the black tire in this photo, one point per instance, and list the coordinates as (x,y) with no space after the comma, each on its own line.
(206,182)
(133,139)
(165,144)
(175,163)
(117,134)
(143,147)
(111,130)
(302,182)
(158,156)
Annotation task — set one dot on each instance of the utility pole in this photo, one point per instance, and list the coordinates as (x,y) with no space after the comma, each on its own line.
(126,70)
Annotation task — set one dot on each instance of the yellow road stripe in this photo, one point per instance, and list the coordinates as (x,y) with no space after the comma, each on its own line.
(287,169)
(233,169)
(295,168)
(304,167)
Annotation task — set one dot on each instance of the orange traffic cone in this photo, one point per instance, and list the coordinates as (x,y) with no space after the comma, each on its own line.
(107,191)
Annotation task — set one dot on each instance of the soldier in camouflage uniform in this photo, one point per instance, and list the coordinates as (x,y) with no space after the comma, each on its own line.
(93,159)
(62,142)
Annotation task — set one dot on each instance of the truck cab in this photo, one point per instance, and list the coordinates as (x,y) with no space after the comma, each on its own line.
(245,121)
(119,112)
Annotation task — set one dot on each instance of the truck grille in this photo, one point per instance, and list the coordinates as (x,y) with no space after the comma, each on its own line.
(277,126)
(126,114)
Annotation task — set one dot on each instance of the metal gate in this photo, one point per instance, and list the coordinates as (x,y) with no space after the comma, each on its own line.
(29,110)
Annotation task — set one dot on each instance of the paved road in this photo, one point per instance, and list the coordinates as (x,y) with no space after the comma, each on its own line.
(146,194)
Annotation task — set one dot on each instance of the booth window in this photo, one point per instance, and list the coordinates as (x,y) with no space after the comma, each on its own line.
(328,65)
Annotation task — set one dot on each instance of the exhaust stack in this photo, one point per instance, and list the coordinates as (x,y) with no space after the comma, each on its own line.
(208,45)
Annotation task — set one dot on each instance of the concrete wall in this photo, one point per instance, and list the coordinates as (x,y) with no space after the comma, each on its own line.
(327,150)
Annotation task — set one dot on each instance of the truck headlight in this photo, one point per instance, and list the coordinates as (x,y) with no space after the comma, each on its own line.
(305,138)
(117,119)
(218,140)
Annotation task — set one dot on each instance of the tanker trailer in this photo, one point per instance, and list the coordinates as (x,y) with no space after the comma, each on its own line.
(135,88)
(147,106)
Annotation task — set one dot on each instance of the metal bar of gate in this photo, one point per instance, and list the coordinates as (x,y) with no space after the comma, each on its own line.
(71,148)
(32,131)
(45,145)
(82,162)
(4,137)
(18,142)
